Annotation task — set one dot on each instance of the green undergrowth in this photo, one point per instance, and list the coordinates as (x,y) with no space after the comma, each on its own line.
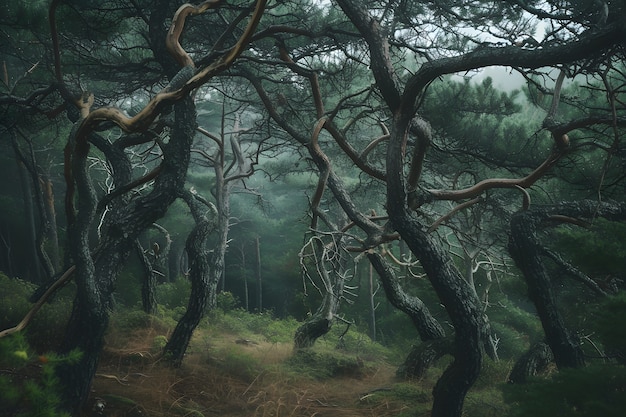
(597,390)
(325,365)
(46,329)
(28,383)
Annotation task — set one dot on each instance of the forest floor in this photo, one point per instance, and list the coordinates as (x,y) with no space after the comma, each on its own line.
(226,375)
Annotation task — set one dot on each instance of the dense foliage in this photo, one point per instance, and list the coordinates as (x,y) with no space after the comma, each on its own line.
(445,177)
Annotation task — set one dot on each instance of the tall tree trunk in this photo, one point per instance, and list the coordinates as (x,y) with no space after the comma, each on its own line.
(422,356)
(199,274)
(527,252)
(453,291)
(148,283)
(34,272)
(43,209)
(95,277)
(259,277)
(372,304)
(52,236)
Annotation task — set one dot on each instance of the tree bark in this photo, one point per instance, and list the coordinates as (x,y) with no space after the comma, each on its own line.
(259,282)
(148,283)
(372,303)
(527,251)
(201,285)
(422,356)
(95,276)
(245,277)
(454,292)
(427,326)
(531,363)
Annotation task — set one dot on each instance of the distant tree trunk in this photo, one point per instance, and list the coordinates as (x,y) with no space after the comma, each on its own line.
(372,304)
(259,282)
(332,285)
(148,283)
(245,277)
(199,274)
(33,269)
(37,187)
(50,216)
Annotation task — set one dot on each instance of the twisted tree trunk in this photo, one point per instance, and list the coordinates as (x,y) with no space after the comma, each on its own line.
(96,276)
(201,284)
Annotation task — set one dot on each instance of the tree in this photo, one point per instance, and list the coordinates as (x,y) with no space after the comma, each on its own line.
(403,65)
(352,88)
(97,266)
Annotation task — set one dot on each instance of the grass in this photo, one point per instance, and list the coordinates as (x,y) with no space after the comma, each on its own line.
(224,376)
(239,364)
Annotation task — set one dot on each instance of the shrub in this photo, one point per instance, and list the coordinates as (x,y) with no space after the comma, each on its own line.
(323,365)
(588,392)
(612,335)
(47,327)
(174,294)
(31,389)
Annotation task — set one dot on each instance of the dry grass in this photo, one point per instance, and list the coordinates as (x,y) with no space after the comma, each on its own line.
(221,377)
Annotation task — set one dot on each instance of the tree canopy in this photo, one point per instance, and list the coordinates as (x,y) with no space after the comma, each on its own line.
(465,142)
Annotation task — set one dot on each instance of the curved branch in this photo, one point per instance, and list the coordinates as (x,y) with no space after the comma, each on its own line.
(591,43)
(324,169)
(575,272)
(526,182)
(380,60)
(172,41)
(352,154)
(308,74)
(126,188)
(372,145)
(149,113)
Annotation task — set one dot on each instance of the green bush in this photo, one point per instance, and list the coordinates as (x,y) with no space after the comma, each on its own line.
(226,301)
(30,388)
(246,324)
(611,315)
(324,365)
(239,363)
(593,391)
(14,304)
(174,294)
(44,332)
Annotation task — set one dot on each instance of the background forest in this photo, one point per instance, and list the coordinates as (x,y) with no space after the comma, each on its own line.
(312,208)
